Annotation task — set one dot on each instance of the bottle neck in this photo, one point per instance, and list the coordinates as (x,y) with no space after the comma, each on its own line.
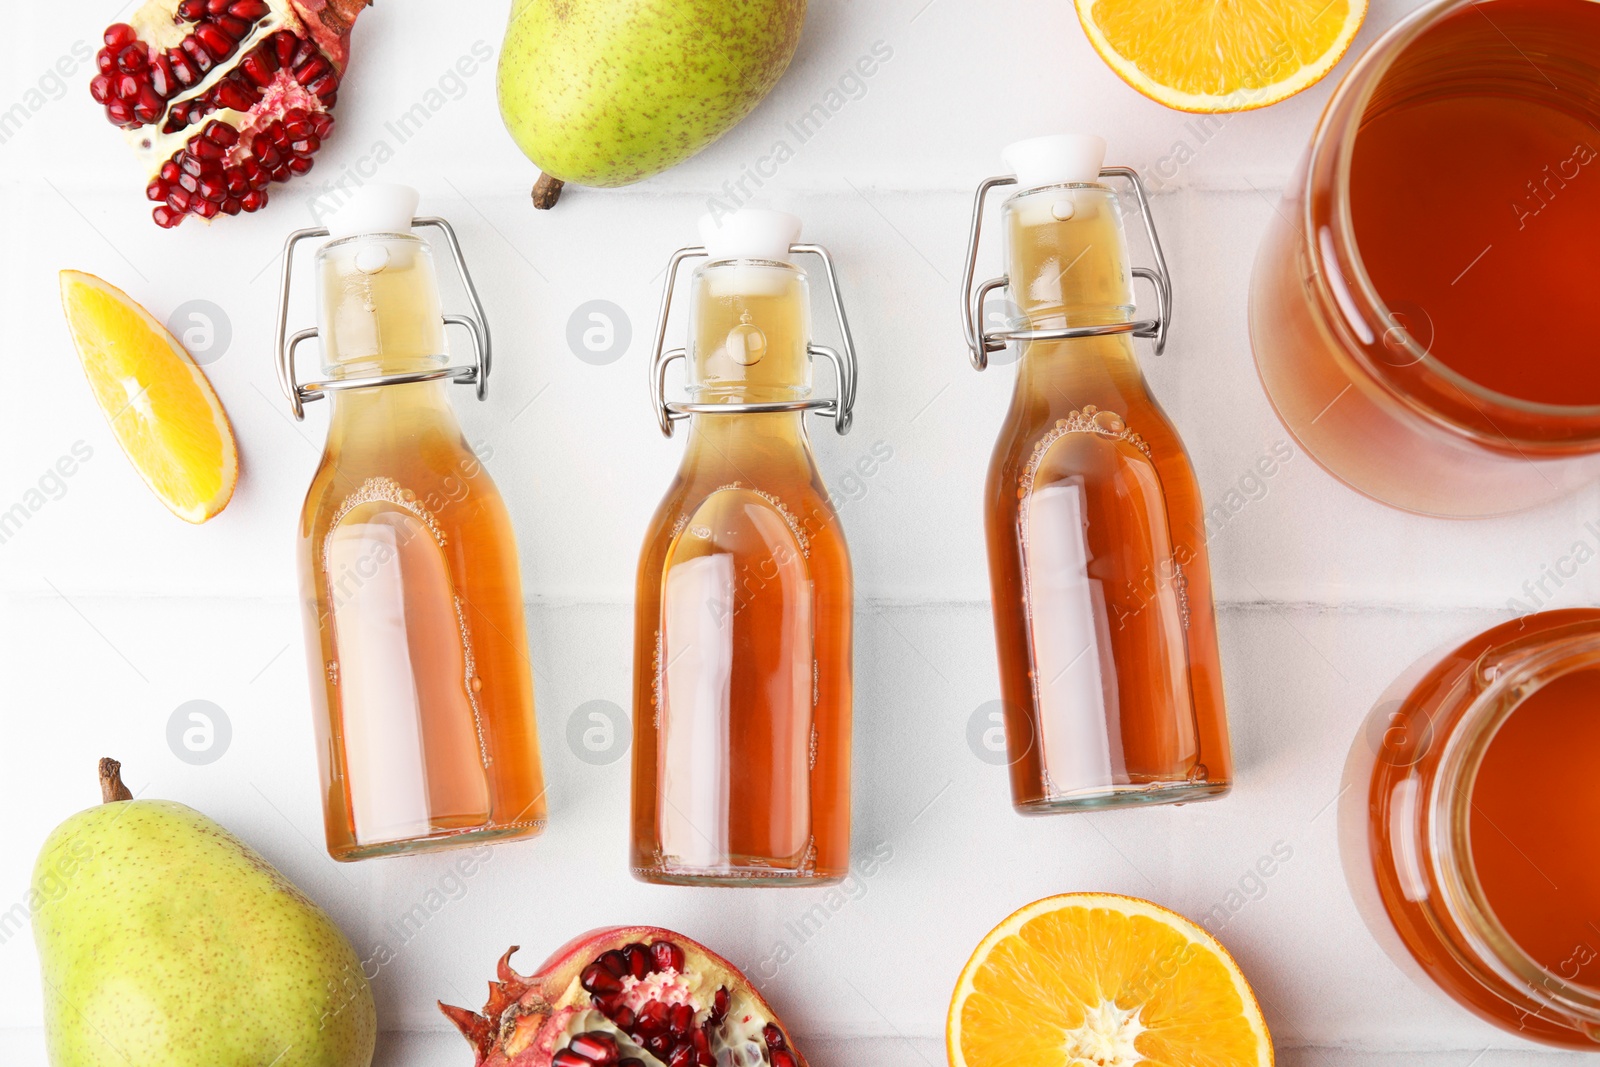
(1067,258)
(749,334)
(381,315)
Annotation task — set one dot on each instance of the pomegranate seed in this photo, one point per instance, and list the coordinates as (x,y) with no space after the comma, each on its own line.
(236,29)
(232,206)
(596,1047)
(105,61)
(774,1036)
(189,182)
(286,45)
(165,217)
(213,190)
(301,165)
(206,209)
(638,958)
(215,41)
(702,1044)
(668,956)
(169,171)
(682,1018)
(254,201)
(221,133)
(133,59)
(179,200)
(719,1005)
(658,1044)
(121,114)
(198,54)
(623,1017)
(161,77)
(568,1058)
(312,69)
(322,125)
(613,961)
(260,66)
(100,89)
(158,190)
(183,68)
(783,1058)
(595,978)
(682,1056)
(192,10)
(324,86)
(119,36)
(236,94)
(249,9)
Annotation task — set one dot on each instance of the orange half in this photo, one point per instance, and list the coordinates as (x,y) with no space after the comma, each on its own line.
(1092,978)
(159,403)
(1233,55)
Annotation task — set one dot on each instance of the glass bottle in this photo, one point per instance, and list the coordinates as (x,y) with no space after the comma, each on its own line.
(1466,818)
(1104,622)
(742,638)
(421,686)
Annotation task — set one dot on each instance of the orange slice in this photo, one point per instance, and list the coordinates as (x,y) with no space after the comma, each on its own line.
(1234,55)
(158,402)
(1091,978)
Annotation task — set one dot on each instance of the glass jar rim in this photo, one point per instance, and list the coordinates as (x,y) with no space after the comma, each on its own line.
(1513,673)
(1343,272)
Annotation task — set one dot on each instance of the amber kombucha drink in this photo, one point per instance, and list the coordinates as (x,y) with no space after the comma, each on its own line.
(742,673)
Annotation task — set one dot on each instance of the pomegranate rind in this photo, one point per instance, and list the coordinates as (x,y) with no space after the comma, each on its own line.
(527,1031)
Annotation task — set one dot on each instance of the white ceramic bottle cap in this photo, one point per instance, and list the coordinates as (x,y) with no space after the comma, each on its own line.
(375,208)
(749,233)
(1056,160)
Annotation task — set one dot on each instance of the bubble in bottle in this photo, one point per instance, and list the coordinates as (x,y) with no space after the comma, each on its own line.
(746,343)
(1109,422)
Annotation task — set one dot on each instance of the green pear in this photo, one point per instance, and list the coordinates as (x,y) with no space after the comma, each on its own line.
(608,92)
(165,941)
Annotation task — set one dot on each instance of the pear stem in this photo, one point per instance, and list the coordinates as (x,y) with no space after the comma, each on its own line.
(111,788)
(546,191)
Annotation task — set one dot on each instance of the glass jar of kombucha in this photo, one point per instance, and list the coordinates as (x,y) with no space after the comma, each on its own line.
(1420,304)
(743,618)
(1467,825)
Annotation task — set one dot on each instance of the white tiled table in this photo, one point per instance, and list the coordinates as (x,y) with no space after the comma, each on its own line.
(114,613)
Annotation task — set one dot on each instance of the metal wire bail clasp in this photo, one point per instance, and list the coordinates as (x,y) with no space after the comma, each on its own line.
(841,408)
(477,325)
(981,342)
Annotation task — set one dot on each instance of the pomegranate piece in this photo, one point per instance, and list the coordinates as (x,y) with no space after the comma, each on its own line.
(243,98)
(630,997)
